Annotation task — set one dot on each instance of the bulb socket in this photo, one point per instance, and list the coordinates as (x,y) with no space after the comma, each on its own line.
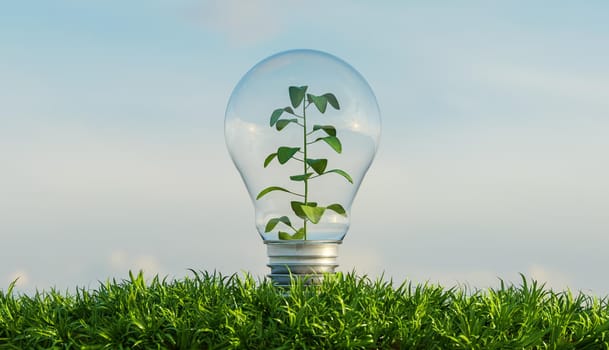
(306,260)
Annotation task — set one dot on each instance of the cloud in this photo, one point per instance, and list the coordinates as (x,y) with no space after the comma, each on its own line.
(552,278)
(474,278)
(21,278)
(76,161)
(121,261)
(245,22)
(569,85)
(362,259)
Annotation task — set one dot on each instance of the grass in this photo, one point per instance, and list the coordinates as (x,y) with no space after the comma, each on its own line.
(211,311)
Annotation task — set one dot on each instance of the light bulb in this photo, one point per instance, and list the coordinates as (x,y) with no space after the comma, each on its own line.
(302,128)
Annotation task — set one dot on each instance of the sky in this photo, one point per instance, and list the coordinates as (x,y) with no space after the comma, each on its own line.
(492,162)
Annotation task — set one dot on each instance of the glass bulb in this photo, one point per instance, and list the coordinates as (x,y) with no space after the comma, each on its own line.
(302,128)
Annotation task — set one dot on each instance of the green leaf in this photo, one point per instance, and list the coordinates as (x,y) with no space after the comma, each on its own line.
(332,100)
(329,129)
(319,165)
(278,112)
(297,94)
(337,208)
(301,177)
(274,221)
(276,115)
(333,142)
(269,159)
(299,234)
(297,208)
(284,122)
(285,153)
(342,173)
(320,102)
(313,213)
(284,235)
(270,189)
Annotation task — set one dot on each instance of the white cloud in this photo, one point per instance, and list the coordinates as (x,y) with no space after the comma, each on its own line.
(120,261)
(362,259)
(21,278)
(546,83)
(75,162)
(471,278)
(552,278)
(245,22)
(147,263)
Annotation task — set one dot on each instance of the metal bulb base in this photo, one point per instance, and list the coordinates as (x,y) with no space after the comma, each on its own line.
(305,260)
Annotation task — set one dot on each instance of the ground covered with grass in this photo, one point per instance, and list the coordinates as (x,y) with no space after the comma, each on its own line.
(211,311)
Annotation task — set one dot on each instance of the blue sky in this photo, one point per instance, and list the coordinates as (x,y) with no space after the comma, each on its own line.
(493,158)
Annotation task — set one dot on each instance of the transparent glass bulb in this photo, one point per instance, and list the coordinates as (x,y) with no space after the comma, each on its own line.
(289,104)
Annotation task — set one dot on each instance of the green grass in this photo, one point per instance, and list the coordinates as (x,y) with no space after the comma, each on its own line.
(210,311)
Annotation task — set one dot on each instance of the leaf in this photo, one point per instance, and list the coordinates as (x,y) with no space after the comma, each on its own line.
(338,209)
(333,142)
(284,235)
(269,159)
(319,165)
(285,153)
(320,102)
(313,213)
(329,129)
(301,177)
(297,208)
(276,115)
(332,100)
(270,189)
(284,122)
(274,221)
(299,234)
(342,173)
(278,112)
(297,94)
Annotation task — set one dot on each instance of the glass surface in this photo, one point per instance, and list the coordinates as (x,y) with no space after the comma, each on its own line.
(250,139)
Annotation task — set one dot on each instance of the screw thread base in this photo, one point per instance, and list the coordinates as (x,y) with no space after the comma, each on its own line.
(306,260)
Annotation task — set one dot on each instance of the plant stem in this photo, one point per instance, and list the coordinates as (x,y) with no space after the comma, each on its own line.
(306,181)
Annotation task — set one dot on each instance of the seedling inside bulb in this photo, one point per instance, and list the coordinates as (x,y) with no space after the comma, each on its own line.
(312,168)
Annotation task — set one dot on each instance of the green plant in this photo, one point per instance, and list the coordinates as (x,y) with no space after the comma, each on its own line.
(346,311)
(305,209)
